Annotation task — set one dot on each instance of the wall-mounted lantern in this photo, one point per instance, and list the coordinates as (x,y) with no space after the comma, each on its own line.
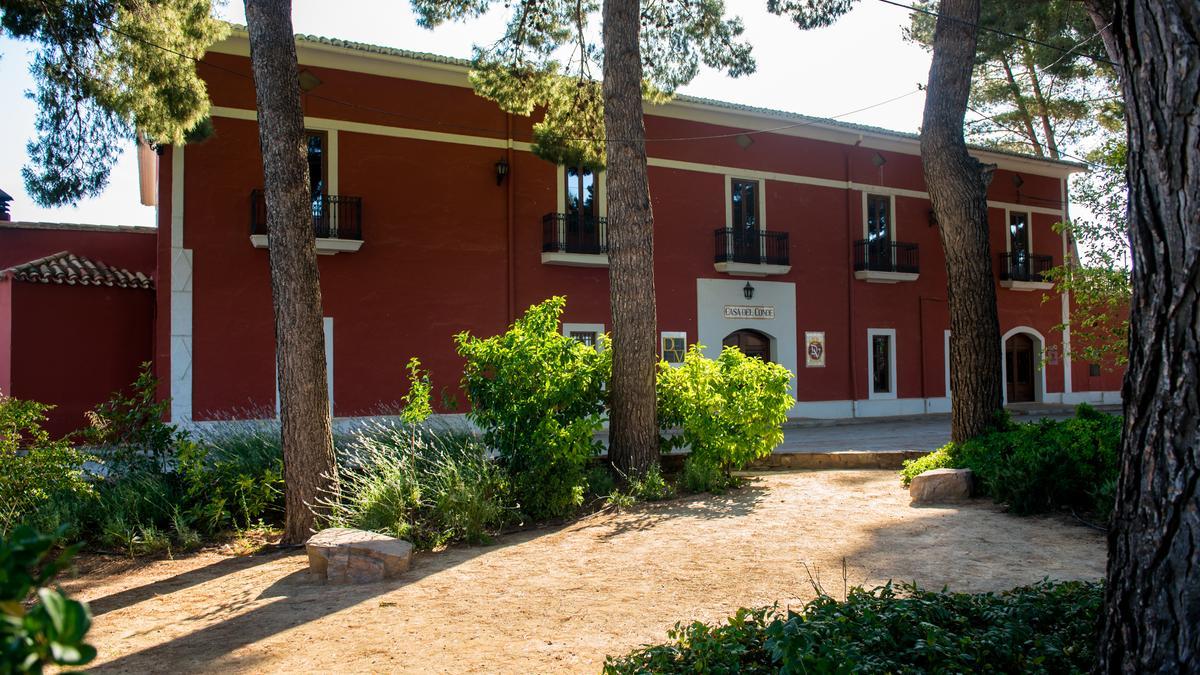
(748,291)
(501,170)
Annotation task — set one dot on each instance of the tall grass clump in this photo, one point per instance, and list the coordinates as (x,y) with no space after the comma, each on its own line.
(431,487)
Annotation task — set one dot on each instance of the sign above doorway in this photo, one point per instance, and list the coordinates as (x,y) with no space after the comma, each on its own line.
(763,312)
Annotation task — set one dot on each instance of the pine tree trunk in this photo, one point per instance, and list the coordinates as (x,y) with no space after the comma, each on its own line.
(1043,107)
(633,425)
(957,185)
(1152,603)
(306,427)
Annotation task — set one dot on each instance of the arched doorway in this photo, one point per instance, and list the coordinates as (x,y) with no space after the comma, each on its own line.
(1019,368)
(751,342)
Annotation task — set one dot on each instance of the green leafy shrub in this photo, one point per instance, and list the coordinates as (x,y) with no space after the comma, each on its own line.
(51,631)
(1044,628)
(417,407)
(1040,466)
(600,481)
(128,430)
(938,459)
(729,411)
(538,395)
(232,477)
(42,482)
(651,486)
(426,486)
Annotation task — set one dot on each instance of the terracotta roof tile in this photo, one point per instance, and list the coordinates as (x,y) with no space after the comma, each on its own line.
(66,268)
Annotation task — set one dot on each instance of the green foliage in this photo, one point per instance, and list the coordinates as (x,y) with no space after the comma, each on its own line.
(1036,98)
(1044,628)
(104,70)
(51,631)
(128,429)
(1040,466)
(729,410)
(703,476)
(431,488)
(417,407)
(808,14)
(232,477)
(538,395)
(42,482)
(1099,281)
(650,486)
(600,481)
(522,70)
(938,459)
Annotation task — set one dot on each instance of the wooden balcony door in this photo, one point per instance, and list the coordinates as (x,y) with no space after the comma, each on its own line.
(746,238)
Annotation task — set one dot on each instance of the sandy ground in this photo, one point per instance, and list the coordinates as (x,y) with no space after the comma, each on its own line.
(560,599)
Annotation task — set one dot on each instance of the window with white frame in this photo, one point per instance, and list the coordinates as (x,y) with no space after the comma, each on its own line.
(881,362)
(584,333)
(674,346)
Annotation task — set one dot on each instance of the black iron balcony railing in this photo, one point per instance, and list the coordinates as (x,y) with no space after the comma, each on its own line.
(1023,266)
(333,216)
(756,247)
(886,256)
(574,233)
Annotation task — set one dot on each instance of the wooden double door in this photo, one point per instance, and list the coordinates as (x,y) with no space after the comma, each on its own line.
(750,342)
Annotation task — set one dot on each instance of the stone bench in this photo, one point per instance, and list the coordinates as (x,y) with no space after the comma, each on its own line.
(345,555)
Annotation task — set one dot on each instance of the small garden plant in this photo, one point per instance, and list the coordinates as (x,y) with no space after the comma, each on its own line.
(1039,466)
(729,411)
(1044,628)
(539,397)
(39,626)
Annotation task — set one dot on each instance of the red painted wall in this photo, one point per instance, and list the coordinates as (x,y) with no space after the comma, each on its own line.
(72,346)
(128,247)
(434,261)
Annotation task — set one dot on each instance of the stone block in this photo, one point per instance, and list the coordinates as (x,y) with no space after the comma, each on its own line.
(345,555)
(941,486)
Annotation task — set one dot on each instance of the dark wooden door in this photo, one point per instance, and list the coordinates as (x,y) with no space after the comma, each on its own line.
(751,342)
(1018,361)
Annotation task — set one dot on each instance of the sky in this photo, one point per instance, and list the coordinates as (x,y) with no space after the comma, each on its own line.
(859,62)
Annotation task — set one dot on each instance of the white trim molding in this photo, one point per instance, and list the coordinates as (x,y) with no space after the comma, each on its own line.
(873,395)
(182,265)
(325,246)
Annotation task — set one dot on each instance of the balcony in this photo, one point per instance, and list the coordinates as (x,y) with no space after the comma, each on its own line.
(1022,271)
(574,240)
(886,262)
(336,222)
(751,253)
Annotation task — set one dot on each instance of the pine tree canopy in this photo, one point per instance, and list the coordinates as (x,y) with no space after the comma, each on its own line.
(105,71)
(549,59)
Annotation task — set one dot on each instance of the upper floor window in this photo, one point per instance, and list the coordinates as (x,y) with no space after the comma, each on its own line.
(318,168)
(582,196)
(879,219)
(1018,232)
(744,198)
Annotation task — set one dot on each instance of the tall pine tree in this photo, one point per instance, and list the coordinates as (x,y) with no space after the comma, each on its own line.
(649,49)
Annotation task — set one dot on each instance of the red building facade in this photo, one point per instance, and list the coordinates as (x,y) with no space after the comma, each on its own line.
(812,246)
(76,314)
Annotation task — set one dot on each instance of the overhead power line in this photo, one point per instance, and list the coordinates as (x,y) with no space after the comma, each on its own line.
(997,31)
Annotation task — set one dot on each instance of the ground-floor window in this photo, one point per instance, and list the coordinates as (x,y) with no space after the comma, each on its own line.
(584,333)
(881,362)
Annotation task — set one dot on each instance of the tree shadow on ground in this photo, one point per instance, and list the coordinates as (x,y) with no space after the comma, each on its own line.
(181,581)
(733,504)
(974,546)
(290,601)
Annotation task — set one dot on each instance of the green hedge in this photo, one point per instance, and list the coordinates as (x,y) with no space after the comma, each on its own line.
(1039,466)
(1044,628)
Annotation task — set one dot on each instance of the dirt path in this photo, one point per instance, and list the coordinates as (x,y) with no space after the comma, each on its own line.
(556,600)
